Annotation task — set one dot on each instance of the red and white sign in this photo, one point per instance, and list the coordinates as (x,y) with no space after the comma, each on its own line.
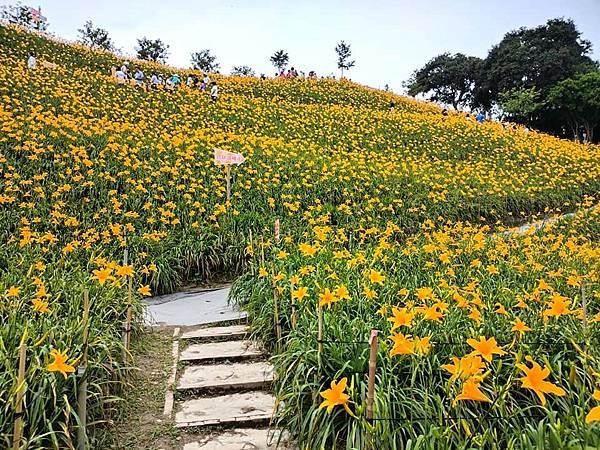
(225,158)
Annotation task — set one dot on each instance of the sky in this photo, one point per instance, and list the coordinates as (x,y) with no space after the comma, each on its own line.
(389,39)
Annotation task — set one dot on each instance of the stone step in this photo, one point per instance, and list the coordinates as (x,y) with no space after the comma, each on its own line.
(247,407)
(218,351)
(241,439)
(214,333)
(253,375)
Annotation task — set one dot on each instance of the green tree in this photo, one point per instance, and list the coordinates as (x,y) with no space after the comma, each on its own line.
(95,37)
(536,57)
(447,78)
(344,54)
(25,16)
(245,71)
(204,61)
(280,59)
(578,99)
(152,50)
(520,104)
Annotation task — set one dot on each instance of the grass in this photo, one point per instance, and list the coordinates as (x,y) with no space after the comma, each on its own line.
(137,421)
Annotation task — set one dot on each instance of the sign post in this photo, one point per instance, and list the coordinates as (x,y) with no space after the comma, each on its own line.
(225,158)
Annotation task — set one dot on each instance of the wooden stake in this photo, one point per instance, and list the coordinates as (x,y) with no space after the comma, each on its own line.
(228,180)
(127,322)
(320,333)
(276,315)
(372,373)
(82,389)
(129,311)
(18,426)
(584,305)
(277,231)
(294,320)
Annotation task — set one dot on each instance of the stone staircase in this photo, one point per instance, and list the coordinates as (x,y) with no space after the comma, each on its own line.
(220,395)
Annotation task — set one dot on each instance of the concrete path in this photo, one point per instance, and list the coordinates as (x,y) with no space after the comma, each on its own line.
(192,308)
(220,377)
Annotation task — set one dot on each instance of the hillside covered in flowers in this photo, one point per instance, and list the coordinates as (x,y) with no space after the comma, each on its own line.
(389,220)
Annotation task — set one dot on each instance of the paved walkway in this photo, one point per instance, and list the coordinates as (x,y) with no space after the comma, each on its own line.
(219,395)
(192,308)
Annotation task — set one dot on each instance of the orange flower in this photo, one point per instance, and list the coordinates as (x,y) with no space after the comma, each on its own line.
(102,275)
(376,277)
(401,318)
(535,379)
(422,346)
(341,292)
(327,298)
(465,367)
(471,391)
(402,345)
(558,306)
(125,271)
(300,293)
(40,306)
(13,291)
(335,396)
(486,348)
(594,414)
(144,290)
(60,363)
(520,327)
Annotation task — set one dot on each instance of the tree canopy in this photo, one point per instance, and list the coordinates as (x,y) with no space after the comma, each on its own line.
(280,59)
(95,37)
(578,98)
(203,60)
(448,79)
(152,50)
(344,54)
(245,71)
(525,76)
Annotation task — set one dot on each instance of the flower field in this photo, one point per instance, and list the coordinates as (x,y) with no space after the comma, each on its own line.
(388,222)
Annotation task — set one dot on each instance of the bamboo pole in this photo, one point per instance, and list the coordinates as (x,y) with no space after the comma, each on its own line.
(293,302)
(584,305)
(320,334)
(82,390)
(18,426)
(372,373)
(129,311)
(228,180)
(276,315)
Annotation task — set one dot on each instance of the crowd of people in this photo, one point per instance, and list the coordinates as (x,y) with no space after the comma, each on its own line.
(125,75)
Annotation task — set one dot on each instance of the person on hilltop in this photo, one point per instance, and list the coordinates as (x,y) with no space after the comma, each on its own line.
(214,91)
(175,80)
(154,81)
(125,68)
(31,61)
(121,76)
(204,83)
(480,118)
(139,77)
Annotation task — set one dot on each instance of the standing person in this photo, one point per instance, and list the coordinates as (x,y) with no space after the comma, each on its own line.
(139,77)
(175,80)
(120,76)
(154,81)
(125,68)
(31,61)
(480,117)
(204,83)
(214,91)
